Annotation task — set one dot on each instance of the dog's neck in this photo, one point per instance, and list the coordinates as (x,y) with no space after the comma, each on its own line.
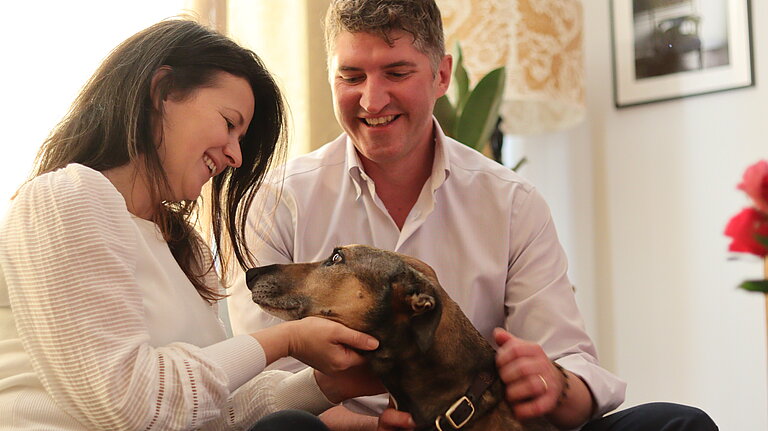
(426,384)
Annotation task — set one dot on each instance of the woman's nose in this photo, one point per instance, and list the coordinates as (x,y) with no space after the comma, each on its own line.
(233,153)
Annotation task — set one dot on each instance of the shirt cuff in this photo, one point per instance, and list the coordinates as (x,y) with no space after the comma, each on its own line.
(241,357)
(607,389)
(300,391)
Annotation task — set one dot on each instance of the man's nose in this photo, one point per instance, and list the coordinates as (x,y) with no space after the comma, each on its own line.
(375,96)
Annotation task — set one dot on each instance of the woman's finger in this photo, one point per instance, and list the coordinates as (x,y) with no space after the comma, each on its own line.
(356,339)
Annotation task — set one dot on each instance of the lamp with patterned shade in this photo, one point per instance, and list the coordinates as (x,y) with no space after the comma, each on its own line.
(539,42)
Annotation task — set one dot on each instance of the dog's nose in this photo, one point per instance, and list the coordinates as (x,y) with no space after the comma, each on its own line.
(252,274)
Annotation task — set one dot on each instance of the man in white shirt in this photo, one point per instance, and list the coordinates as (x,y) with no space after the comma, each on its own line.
(393,180)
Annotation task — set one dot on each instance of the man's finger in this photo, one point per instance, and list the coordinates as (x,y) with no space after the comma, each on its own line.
(500,336)
(392,419)
(537,407)
(510,351)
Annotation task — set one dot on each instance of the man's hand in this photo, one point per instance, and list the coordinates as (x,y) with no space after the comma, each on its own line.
(535,387)
(353,382)
(395,420)
(533,383)
(340,418)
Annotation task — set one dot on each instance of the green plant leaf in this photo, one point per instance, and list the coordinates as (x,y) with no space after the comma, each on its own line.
(763,240)
(755,285)
(520,164)
(460,81)
(477,119)
(446,115)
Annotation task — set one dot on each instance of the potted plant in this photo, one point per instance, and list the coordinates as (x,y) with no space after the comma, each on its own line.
(471,115)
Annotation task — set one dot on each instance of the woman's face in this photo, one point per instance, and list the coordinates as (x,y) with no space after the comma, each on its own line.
(202,133)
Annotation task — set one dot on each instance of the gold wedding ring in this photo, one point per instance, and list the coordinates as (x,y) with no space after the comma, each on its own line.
(543,380)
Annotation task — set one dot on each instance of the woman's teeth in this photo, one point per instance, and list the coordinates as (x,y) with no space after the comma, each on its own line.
(378,121)
(210,164)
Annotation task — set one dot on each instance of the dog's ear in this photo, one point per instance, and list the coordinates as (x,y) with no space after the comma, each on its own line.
(421,303)
(425,318)
(416,287)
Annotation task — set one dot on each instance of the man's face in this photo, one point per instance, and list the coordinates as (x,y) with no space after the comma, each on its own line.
(384,95)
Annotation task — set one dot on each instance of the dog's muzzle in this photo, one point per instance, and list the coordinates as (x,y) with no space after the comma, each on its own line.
(254,273)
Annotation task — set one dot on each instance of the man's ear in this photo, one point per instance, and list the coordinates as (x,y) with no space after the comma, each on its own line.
(155,93)
(443,75)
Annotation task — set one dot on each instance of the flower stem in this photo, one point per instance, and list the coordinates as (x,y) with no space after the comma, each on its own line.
(765,274)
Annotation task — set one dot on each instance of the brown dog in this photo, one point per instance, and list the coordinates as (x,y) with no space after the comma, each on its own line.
(433,362)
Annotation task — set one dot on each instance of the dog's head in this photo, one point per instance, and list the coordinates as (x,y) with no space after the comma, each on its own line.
(364,288)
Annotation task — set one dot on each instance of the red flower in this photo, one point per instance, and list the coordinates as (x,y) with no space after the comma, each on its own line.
(755,184)
(743,227)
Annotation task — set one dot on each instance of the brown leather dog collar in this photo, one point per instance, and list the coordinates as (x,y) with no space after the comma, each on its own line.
(465,408)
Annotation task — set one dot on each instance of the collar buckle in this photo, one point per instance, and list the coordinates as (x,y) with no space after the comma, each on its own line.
(462,406)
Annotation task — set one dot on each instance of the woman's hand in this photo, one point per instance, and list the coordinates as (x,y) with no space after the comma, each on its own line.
(326,345)
(320,343)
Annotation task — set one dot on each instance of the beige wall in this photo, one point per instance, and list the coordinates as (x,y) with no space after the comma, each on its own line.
(323,124)
(641,197)
(289,39)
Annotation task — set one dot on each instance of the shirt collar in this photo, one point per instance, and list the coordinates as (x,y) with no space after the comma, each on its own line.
(440,165)
(354,167)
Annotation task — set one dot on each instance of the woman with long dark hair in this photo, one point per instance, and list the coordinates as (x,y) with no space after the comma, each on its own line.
(108,292)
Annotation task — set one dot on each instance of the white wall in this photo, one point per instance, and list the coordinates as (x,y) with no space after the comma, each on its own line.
(50,48)
(641,197)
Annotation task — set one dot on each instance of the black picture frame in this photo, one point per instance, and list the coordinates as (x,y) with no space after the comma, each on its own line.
(671,49)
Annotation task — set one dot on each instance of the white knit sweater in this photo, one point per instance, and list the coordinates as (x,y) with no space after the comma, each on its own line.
(100,329)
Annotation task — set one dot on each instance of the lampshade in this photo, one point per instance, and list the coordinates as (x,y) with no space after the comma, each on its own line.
(539,42)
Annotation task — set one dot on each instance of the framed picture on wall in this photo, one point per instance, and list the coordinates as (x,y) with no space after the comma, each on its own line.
(669,49)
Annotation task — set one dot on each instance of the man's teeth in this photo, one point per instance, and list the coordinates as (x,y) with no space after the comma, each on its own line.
(379,120)
(209,163)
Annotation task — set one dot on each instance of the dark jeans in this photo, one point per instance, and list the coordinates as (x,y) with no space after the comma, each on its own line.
(290,420)
(654,417)
(645,417)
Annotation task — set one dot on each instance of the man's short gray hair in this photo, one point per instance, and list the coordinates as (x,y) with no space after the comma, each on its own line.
(420,18)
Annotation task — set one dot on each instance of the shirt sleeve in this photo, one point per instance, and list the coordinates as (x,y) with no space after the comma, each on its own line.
(541,303)
(269,230)
(269,392)
(67,250)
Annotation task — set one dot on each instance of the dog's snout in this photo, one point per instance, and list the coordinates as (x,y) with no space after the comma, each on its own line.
(252,274)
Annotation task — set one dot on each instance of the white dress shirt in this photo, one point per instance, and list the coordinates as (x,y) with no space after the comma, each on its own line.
(486,231)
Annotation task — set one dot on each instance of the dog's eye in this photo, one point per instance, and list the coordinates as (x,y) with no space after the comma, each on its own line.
(336,257)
